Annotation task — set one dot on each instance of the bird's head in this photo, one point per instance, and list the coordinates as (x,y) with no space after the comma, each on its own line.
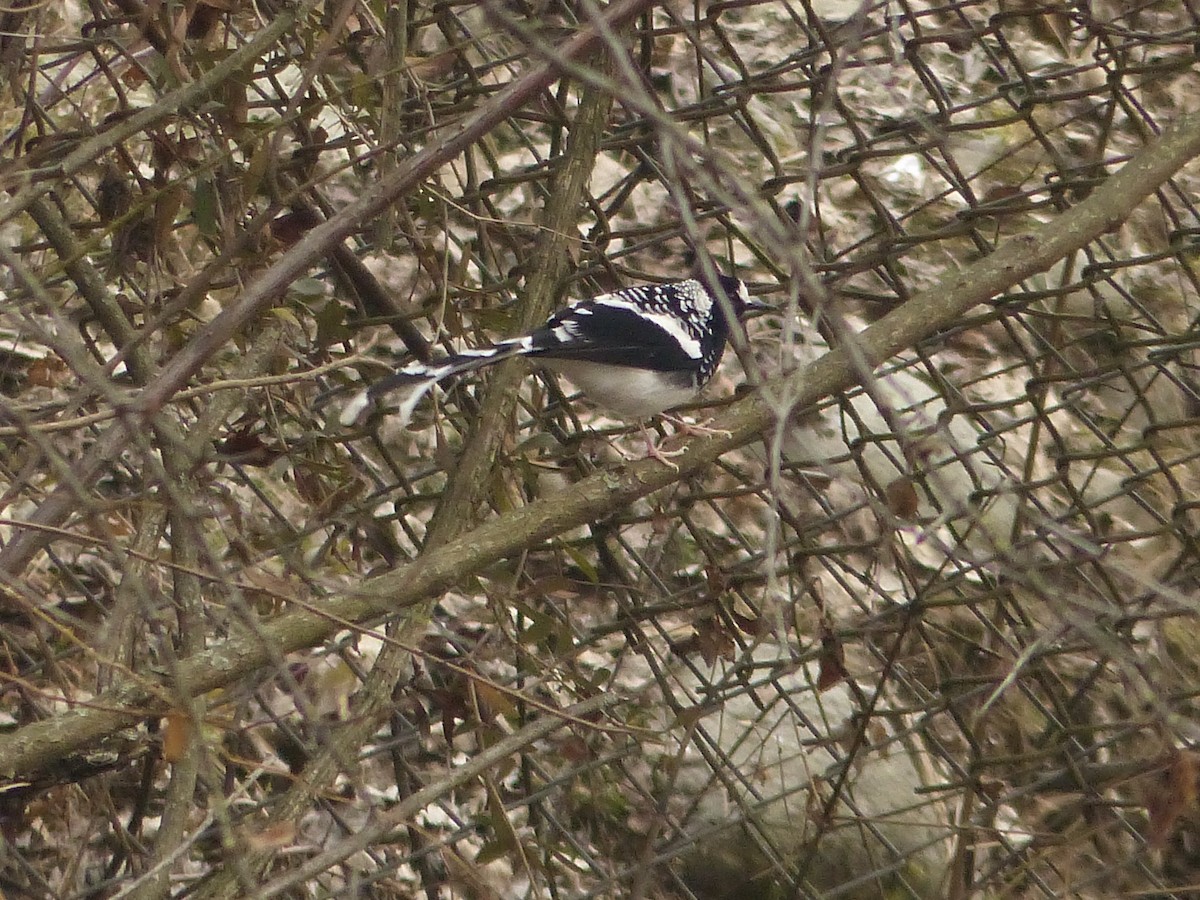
(738,294)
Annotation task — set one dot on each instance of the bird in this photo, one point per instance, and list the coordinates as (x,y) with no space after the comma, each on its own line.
(635,352)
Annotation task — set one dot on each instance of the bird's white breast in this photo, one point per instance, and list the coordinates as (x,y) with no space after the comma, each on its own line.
(628,392)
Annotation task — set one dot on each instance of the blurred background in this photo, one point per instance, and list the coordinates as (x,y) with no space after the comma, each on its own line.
(932,636)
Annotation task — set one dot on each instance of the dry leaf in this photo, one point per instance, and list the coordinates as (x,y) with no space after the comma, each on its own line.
(902,499)
(1172,794)
(177,735)
(832,662)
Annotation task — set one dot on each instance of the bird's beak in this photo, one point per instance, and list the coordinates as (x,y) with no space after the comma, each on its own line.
(755,308)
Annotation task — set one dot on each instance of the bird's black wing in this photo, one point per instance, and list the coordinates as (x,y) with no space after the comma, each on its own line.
(601,332)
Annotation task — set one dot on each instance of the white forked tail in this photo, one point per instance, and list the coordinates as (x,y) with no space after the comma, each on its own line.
(415,380)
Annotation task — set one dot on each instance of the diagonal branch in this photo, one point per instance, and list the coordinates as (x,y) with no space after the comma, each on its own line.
(36,747)
(269,286)
(457,512)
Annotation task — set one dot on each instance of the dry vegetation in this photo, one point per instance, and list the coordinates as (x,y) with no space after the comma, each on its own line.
(920,623)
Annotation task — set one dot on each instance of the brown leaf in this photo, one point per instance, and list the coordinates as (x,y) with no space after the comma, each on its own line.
(431,67)
(166,209)
(46,372)
(448,719)
(453,706)
(272,837)
(113,195)
(489,701)
(309,485)
(203,22)
(1172,794)
(177,735)
(14,821)
(574,749)
(556,587)
(718,582)
(133,77)
(133,242)
(832,662)
(686,647)
(992,788)
(291,227)
(235,102)
(1000,193)
(902,499)
(753,625)
(714,640)
(248,449)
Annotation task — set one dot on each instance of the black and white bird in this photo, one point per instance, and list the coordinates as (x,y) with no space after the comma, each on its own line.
(636,352)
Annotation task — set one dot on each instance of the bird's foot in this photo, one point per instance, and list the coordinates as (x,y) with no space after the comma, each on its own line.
(661,452)
(698,429)
(655,451)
